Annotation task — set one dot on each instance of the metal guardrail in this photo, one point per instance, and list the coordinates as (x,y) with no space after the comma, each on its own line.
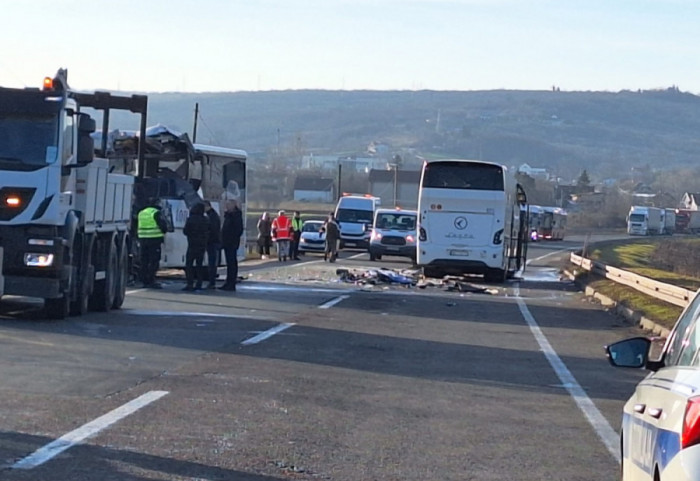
(678,296)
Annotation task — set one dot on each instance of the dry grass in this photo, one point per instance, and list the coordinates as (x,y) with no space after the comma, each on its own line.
(666,260)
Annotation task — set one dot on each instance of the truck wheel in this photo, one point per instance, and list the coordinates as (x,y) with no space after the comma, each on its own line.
(122,276)
(105,290)
(57,308)
(80,306)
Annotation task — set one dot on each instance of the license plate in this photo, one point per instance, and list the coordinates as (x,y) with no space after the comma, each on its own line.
(459,252)
(392,248)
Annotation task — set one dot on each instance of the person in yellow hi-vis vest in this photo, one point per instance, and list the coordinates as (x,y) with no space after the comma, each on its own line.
(151,229)
(296,235)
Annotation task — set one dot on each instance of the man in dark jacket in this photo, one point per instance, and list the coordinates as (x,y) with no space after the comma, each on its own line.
(197,232)
(332,230)
(297,224)
(213,243)
(231,240)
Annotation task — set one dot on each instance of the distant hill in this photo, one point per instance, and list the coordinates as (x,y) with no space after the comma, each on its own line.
(606,133)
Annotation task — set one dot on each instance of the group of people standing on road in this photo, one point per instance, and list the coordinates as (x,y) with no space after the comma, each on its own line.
(281,231)
(205,235)
(285,233)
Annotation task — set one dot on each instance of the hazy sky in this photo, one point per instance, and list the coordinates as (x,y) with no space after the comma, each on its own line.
(233,45)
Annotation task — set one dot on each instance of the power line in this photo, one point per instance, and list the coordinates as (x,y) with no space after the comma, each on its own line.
(211,133)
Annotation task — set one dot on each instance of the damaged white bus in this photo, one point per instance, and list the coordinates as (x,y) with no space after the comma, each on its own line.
(472,219)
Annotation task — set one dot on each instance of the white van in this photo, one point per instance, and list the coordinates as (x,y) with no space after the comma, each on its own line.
(355,214)
(393,233)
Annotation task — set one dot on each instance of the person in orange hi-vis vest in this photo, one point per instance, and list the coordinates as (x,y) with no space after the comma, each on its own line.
(282,235)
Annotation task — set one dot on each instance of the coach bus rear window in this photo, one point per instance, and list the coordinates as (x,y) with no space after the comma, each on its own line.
(466,175)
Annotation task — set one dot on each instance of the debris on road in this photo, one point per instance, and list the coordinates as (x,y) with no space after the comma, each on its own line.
(409,278)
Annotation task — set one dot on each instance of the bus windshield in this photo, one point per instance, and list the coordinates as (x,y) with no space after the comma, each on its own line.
(463,175)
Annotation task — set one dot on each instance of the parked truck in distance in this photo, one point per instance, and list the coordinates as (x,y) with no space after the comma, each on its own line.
(669,221)
(687,221)
(643,220)
(64,214)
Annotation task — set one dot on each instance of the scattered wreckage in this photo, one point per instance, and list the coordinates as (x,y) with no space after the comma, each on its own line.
(410,278)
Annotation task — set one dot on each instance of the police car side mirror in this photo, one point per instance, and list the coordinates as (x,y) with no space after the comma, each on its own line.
(633,352)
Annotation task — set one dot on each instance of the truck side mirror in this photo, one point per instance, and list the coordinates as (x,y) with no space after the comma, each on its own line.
(86,144)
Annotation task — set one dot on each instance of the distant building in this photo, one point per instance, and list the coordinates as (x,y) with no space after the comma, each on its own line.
(381,184)
(330,163)
(378,149)
(314,189)
(319,162)
(362,164)
(689,201)
(535,173)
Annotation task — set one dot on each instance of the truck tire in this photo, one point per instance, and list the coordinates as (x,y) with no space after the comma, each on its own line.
(57,308)
(80,305)
(122,276)
(105,290)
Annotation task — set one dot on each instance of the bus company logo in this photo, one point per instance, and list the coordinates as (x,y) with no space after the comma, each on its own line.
(461,223)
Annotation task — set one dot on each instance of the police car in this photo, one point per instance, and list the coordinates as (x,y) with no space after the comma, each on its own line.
(312,239)
(660,435)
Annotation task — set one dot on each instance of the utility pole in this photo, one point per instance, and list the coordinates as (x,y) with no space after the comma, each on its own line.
(196,115)
(395,167)
(340,171)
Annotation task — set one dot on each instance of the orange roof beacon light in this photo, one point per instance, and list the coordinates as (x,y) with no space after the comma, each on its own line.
(48,83)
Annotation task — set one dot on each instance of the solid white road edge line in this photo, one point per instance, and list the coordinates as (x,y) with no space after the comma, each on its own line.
(269,333)
(527,262)
(601,426)
(332,302)
(90,429)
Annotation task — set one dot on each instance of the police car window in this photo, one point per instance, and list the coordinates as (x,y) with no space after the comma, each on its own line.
(311,227)
(689,347)
(679,336)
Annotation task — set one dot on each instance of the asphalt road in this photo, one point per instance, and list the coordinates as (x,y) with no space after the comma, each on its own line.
(299,375)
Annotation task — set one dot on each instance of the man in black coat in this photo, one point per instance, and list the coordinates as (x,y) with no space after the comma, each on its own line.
(231,240)
(197,232)
(213,243)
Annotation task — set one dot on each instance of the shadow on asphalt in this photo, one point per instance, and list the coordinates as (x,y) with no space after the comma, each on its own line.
(85,462)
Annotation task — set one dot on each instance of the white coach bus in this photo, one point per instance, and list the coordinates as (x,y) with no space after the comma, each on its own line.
(472,219)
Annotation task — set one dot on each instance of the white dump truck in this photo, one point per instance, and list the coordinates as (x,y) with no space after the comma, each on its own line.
(64,213)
